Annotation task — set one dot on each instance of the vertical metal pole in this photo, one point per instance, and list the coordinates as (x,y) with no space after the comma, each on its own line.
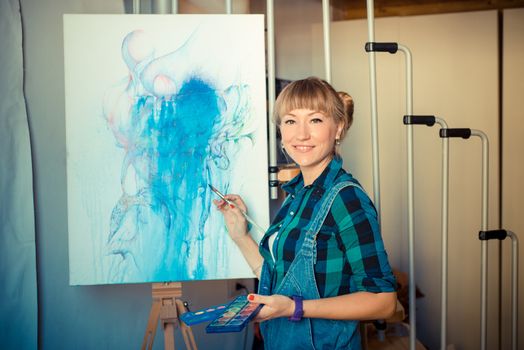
(374,116)
(411,206)
(271,95)
(444,234)
(161,6)
(229,7)
(136,7)
(326,18)
(514,289)
(484,243)
(174,6)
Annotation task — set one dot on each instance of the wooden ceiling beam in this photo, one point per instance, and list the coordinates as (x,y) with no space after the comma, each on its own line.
(356,9)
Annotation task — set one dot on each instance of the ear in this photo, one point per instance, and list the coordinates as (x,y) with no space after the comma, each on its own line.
(340,127)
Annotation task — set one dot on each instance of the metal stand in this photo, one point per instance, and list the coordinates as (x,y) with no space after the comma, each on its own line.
(466,133)
(484,236)
(166,307)
(372,47)
(272,128)
(430,121)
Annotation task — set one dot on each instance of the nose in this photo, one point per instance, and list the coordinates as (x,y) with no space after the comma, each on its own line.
(302,131)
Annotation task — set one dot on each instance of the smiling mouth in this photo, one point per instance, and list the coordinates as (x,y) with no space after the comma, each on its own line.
(301,148)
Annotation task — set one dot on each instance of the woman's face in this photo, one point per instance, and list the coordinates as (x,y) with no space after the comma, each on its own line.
(309,138)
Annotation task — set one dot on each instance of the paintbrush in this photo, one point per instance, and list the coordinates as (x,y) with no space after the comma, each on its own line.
(248,218)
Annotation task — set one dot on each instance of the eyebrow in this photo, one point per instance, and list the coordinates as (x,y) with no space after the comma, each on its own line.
(308,115)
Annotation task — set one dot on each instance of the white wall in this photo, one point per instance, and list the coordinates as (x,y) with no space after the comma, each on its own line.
(512,160)
(455,70)
(293,44)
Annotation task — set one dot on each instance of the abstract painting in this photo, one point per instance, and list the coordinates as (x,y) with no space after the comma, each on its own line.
(158,107)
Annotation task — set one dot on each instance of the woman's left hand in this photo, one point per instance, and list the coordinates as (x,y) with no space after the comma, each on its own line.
(274,306)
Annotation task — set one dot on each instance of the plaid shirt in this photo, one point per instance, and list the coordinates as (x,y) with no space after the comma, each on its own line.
(350,250)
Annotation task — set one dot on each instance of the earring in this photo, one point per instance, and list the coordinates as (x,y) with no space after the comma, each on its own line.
(337,142)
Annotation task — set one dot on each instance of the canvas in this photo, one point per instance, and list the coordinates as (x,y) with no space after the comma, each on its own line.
(158,107)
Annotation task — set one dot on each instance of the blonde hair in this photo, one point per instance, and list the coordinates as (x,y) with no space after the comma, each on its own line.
(315,94)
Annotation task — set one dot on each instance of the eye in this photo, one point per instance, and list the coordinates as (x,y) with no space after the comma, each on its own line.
(316,120)
(289,122)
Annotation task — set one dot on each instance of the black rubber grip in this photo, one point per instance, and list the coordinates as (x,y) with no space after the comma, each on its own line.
(465,133)
(380,325)
(274,183)
(273,169)
(381,47)
(428,120)
(493,234)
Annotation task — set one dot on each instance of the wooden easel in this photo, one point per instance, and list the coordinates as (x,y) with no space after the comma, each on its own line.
(166,307)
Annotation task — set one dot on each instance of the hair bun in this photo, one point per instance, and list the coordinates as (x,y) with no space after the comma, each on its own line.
(349,106)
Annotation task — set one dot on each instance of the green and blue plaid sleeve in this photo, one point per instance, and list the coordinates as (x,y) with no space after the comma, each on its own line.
(361,240)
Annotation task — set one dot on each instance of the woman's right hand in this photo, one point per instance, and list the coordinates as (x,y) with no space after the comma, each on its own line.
(235,222)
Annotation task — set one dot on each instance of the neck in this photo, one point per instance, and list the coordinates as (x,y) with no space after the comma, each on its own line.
(310,174)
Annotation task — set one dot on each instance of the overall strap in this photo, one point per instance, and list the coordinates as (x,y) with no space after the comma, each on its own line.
(320,213)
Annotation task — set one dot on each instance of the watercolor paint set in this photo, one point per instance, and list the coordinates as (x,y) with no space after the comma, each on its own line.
(228,317)
(236,316)
(204,315)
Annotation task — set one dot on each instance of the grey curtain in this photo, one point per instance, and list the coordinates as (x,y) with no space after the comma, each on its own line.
(18,293)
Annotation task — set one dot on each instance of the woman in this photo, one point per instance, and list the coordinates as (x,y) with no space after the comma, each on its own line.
(321,264)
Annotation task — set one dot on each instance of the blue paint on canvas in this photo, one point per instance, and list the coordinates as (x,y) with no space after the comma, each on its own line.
(172,141)
(177,137)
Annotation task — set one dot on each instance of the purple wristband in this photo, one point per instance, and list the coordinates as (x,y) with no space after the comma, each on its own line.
(299,310)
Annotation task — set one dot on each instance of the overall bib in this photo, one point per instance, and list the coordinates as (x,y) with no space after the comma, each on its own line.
(308,333)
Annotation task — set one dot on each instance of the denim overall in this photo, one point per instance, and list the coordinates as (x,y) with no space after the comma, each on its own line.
(308,333)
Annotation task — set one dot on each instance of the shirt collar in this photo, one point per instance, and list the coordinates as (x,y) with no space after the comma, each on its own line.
(324,181)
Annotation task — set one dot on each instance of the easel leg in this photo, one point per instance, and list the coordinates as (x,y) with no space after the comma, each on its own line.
(152,323)
(187,333)
(166,308)
(169,336)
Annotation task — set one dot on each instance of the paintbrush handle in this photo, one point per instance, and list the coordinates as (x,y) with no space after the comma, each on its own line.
(252,222)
